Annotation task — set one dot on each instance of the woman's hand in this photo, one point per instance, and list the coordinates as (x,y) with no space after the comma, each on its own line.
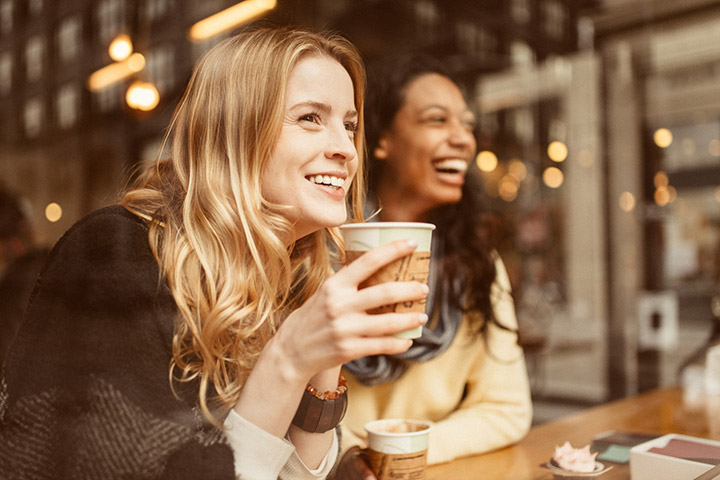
(333,326)
(352,466)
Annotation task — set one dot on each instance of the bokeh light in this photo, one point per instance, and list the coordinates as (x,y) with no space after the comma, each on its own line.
(518,169)
(53,212)
(142,96)
(508,188)
(557,151)
(553,177)
(486,161)
(627,201)
(120,48)
(661,179)
(662,137)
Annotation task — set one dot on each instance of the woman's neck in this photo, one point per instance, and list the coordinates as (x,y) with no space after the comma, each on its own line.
(397,207)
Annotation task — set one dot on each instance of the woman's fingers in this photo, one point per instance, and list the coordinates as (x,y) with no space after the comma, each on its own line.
(383,324)
(354,467)
(363,466)
(389,293)
(373,260)
(358,347)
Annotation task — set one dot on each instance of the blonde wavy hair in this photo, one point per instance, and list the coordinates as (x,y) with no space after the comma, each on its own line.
(217,241)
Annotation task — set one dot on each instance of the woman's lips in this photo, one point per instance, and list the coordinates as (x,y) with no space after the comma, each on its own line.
(332,185)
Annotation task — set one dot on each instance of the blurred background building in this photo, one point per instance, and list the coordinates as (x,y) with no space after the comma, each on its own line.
(599,140)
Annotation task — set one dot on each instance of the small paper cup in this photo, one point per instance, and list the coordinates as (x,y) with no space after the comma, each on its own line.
(361,237)
(397,448)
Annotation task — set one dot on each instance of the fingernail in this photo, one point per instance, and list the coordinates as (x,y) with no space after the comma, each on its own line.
(423,318)
(411,242)
(425,289)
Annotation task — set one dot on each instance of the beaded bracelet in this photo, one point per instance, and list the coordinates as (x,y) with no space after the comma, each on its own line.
(318,411)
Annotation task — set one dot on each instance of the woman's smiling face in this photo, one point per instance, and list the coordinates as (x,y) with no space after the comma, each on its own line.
(315,159)
(428,147)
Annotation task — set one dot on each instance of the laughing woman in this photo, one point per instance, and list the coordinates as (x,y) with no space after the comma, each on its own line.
(467,372)
(190,331)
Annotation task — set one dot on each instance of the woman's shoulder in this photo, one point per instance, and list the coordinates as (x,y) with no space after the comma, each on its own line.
(105,251)
(110,230)
(106,220)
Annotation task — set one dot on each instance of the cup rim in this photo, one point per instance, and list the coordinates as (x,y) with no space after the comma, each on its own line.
(361,225)
(424,431)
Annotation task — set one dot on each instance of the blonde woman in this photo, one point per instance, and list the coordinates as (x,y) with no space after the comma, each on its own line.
(197,330)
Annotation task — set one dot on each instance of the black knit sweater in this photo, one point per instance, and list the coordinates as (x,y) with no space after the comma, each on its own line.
(86,391)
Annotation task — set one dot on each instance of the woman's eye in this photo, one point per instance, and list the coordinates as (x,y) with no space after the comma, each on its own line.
(310,117)
(351,127)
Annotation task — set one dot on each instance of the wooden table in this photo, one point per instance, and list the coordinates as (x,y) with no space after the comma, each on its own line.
(657,412)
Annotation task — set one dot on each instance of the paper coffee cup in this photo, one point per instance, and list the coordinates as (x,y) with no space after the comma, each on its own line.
(361,237)
(397,448)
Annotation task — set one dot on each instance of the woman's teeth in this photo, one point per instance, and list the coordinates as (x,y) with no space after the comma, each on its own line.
(450,166)
(327,180)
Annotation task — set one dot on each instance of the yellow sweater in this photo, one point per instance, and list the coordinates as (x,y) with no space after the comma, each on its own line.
(478,396)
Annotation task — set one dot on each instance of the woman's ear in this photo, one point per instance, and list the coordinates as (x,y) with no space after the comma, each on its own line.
(380,151)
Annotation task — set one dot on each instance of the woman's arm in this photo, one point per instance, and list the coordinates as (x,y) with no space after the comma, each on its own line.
(331,328)
(497,408)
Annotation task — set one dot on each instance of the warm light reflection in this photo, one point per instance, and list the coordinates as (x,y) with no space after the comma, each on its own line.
(53,212)
(662,196)
(142,96)
(115,72)
(663,137)
(553,177)
(557,151)
(586,158)
(714,147)
(486,161)
(517,169)
(717,194)
(229,18)
(120,48)
(508,188)
(661,179)
(627,201)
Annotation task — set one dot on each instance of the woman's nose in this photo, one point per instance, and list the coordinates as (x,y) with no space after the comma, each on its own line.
(461,135)
(341,145)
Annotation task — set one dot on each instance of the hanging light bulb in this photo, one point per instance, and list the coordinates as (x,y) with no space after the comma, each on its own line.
(230,18)
(120,48)
(142,96)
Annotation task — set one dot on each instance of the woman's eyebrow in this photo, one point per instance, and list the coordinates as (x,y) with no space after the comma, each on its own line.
(433,106)
(322,107)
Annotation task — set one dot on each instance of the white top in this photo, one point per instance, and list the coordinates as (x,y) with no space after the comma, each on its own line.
(260,455)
